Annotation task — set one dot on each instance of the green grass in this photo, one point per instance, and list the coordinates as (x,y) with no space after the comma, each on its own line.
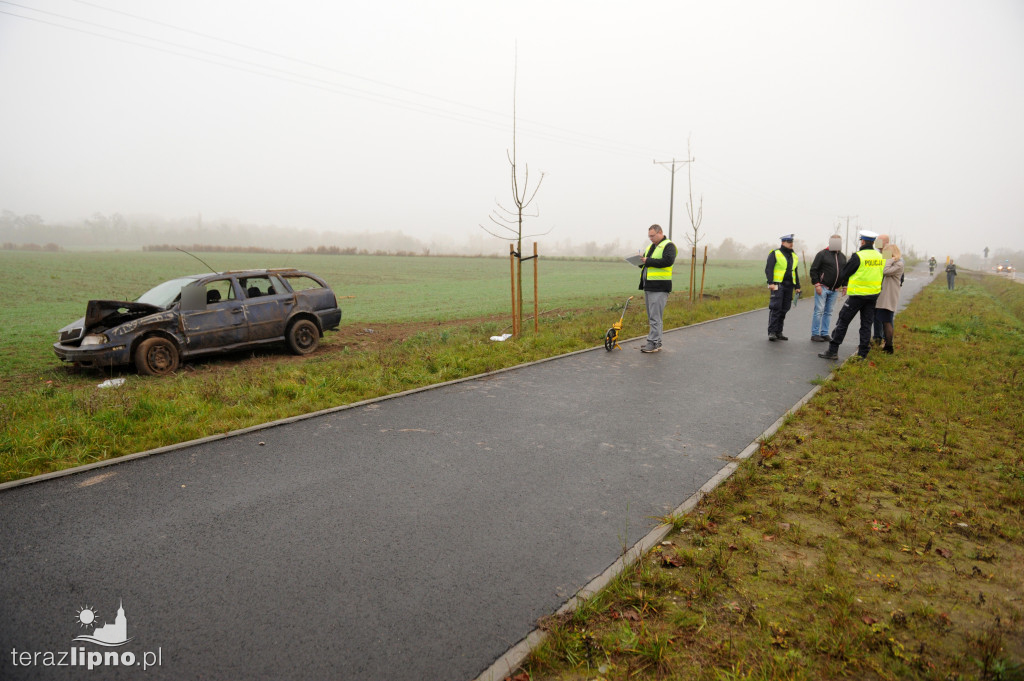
(879,534)
(42,292)
(53,418)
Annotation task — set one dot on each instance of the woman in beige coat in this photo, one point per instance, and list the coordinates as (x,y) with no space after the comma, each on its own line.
(889,298)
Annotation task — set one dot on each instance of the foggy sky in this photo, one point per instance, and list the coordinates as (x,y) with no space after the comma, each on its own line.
(374,115)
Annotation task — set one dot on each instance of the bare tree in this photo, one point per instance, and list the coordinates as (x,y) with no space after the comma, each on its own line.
(510,222)
(695,218)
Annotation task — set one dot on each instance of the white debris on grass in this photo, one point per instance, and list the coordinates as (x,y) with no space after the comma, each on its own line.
(502,337)
(112,383)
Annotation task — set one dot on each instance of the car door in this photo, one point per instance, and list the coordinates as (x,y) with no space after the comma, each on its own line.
(267,306)
(212,316)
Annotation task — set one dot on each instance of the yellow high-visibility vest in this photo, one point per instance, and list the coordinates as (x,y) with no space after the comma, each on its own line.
(867,280)
(656,273)
(780,266)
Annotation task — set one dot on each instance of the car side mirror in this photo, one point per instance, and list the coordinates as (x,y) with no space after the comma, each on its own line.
(193,297)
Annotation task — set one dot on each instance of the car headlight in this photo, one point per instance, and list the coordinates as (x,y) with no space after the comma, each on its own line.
(95,339)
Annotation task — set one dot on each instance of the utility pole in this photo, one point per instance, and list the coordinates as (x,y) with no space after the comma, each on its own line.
(672,191)
(846,244)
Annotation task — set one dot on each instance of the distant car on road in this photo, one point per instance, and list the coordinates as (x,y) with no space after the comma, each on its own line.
(1004,268)
(202,314)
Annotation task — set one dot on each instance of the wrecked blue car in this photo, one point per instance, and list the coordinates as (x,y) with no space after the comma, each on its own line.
(202,314)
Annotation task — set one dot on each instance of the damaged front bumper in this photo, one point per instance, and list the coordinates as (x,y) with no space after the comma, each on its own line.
(94,355)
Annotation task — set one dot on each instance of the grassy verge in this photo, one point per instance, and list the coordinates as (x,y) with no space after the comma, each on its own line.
(53,419)
(879,534)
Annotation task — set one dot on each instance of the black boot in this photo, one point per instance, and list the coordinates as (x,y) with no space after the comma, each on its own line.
(887,327)
(831,353)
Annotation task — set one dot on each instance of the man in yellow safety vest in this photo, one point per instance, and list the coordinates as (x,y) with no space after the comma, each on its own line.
(862,280)
(656,283)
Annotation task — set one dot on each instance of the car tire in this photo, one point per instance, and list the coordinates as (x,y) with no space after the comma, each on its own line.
(156,356)
(303,337)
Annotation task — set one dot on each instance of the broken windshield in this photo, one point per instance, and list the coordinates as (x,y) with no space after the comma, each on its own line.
(166,293)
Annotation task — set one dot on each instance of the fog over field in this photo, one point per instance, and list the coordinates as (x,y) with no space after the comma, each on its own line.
(361,123)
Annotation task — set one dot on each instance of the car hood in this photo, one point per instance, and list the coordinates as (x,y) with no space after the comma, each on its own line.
(98,310)
(106,314)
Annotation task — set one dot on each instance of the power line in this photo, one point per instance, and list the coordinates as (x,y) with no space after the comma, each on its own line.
(482,117)
(581,140)
(329,69)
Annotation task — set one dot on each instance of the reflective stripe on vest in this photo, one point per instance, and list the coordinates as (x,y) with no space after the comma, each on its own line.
(781,265)
(658,273)
(867,280)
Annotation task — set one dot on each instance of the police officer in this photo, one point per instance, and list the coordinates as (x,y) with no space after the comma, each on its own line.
(862,282)
(783,279)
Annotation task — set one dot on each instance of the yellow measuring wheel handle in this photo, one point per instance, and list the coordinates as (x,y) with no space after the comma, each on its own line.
(612,335)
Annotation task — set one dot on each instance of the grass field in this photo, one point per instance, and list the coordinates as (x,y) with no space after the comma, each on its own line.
(878,534)
(41,292)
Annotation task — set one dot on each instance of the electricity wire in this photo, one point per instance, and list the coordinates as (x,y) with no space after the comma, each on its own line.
(484,117)
(581,140)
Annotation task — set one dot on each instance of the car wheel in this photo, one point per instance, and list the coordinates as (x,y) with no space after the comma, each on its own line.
(303,337)
(156,357)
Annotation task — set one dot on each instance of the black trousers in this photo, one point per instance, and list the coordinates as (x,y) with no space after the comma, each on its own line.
(865,305)
(778,305)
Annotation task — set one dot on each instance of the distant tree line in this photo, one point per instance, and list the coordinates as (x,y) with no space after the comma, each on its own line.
(31,232)
(318,250)
(49,248)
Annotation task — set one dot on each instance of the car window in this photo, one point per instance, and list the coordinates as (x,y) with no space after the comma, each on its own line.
(255,287)
(219,291)
(302,283)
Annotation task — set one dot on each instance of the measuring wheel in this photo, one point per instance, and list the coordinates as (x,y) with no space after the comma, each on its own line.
(612,334)
(610,338)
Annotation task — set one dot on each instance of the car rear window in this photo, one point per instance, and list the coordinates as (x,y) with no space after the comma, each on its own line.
(303,283)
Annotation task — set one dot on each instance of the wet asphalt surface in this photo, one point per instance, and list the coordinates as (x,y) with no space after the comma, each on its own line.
(417,537)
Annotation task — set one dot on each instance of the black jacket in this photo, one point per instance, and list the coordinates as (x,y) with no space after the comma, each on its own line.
(668,256)
(826,268)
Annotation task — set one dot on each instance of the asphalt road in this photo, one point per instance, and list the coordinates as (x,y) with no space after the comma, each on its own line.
(412,538)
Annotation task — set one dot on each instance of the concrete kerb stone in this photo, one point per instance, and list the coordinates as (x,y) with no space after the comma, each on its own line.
(301,417)
(517,654)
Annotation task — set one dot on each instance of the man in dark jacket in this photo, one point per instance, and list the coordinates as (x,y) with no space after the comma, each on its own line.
(825,269)
(783,281)
(656,283)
